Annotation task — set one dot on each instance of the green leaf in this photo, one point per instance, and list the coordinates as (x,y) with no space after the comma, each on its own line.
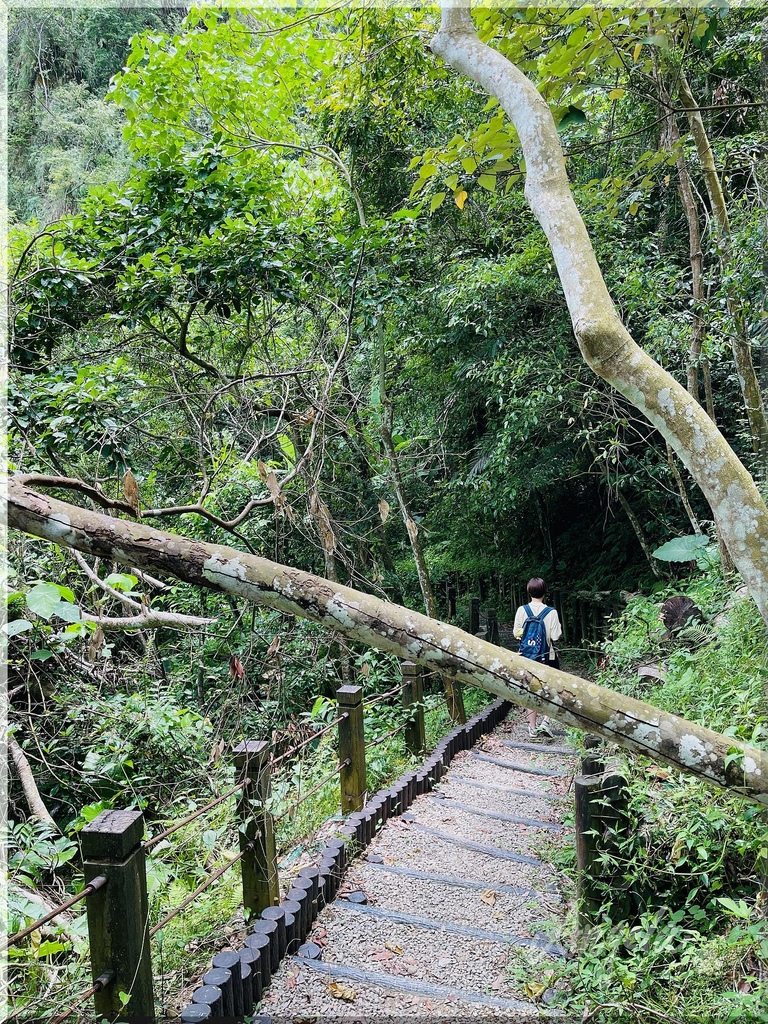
(287,448)
(487,181)
(41,655)
(437,200)
(681,549)
(120,581)
(739,909)
(573,115)
(43,600)
(17,626)
(48,948)
(68,612)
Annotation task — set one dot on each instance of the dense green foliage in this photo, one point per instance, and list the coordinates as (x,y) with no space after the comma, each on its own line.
(234,260)
(682,929)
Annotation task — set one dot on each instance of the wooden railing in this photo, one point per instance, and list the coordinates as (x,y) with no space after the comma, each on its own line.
(115,853)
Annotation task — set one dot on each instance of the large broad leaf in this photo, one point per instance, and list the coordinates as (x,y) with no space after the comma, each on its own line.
(43,600)
(17,626)
(682,549)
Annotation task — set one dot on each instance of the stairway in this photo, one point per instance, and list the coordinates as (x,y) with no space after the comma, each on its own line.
(446,899)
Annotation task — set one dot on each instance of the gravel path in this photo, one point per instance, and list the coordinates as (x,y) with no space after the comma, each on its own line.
(444,923)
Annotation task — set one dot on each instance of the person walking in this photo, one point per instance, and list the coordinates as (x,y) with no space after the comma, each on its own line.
(537,626)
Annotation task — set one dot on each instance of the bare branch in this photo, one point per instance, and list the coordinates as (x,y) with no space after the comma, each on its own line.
(70,483)
(28,784)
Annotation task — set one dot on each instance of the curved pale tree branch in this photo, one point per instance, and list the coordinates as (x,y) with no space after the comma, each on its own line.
(737,506)
(28,784)
(633,724)
(146,618)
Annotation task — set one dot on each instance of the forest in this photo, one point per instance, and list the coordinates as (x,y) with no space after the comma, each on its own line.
(329,325)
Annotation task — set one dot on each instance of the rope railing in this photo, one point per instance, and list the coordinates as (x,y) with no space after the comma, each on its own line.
(386,736)
(200,889)
(114,841)
(101,983)
(384,696)
(195,814)
(315,789)
(311,739)
(93,886)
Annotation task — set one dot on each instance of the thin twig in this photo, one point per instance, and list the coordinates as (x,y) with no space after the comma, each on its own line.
(299,746)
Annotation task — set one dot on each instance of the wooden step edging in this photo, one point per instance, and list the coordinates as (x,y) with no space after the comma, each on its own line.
(281,930)
(413,986)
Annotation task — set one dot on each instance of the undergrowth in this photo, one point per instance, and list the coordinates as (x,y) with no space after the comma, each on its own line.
(129,741)
(682,932)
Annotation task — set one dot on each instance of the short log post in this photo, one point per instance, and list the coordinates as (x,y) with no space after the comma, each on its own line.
(118,913)
(595,624)
(352,748)
(602,820)
(592,763)
(474,615)
(586,789)
(413,703)
(261,887)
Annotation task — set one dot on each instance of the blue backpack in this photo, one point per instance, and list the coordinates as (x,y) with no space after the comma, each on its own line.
(533,642)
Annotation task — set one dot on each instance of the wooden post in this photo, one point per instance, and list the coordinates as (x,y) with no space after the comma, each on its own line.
(492,634)
(451,602)
(413,702)
(474,615)
(352,748)
(592,763)
(583,620)
(586,790)
(118,913)
(601,821)
(261,887)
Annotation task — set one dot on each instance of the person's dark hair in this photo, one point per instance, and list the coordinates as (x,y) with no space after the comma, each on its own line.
(536,587)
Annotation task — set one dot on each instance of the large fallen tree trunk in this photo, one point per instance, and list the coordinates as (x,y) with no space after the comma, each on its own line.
(630,723)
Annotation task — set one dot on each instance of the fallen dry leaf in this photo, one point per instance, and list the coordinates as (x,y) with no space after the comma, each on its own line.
(341,991)
(393,948)
(535,990)
(131,490)
(488,896)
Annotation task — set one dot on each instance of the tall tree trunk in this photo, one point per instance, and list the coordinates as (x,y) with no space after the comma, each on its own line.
(737,506)
(695,255)
(454,698)
(639,533)
(739,336)
(635,725)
